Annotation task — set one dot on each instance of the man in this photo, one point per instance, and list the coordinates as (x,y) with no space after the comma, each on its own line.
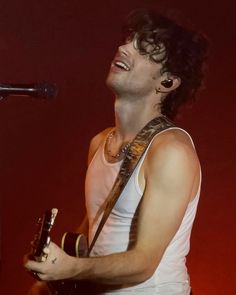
(144,242)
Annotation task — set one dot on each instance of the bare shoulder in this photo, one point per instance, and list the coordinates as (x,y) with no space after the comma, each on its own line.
(173,162)
(174,142)
(96,141)
(172,157)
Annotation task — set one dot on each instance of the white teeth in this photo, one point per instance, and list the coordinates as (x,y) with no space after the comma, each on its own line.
(122,65)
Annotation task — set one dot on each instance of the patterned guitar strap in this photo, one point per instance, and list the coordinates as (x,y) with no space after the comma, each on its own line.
(131,160)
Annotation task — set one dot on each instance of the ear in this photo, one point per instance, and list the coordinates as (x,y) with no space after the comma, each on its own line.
(168,83)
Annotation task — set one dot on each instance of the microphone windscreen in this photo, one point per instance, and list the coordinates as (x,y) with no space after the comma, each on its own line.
(46,90)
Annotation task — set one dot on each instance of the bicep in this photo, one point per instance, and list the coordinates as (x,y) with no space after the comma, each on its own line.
(169,180)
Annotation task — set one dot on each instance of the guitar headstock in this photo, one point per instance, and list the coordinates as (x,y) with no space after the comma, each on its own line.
(42,238)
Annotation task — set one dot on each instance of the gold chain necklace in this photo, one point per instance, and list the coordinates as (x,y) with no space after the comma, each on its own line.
(122,151)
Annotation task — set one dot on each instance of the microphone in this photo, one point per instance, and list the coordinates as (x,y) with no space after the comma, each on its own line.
(41,90)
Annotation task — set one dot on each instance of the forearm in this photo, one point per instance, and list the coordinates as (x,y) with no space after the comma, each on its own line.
(129,267)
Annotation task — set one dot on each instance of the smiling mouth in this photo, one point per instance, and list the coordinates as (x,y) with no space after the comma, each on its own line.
(121,65)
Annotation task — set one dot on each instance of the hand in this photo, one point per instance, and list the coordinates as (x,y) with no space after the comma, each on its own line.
(57,266)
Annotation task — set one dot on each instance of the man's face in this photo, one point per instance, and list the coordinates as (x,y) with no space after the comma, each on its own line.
(131,73)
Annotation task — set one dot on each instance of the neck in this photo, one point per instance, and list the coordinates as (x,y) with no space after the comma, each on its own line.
(132,116)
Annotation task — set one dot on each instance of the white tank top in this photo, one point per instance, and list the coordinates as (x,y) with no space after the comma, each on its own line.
(119,231)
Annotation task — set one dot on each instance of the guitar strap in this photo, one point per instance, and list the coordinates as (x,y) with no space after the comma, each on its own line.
(132,158)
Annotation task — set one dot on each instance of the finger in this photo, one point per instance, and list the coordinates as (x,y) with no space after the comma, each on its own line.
(34,266)
(43,277)
(44,258)
(46,250)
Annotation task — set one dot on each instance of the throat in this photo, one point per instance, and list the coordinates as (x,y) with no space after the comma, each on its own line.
(132,116)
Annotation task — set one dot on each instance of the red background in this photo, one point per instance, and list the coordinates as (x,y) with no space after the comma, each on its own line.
(43,145)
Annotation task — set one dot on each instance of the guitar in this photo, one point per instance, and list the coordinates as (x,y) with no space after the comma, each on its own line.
(42,238)
(73,244)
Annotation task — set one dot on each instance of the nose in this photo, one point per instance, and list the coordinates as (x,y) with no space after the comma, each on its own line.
(125,49)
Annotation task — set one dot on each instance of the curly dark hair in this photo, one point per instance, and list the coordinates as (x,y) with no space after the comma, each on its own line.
(184,53)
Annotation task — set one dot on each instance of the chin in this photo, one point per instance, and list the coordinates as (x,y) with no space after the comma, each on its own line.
(112,84)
